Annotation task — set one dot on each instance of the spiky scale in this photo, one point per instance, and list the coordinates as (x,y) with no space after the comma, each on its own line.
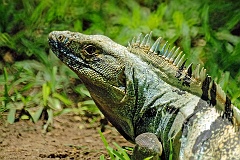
(221,93)
(183,64)
(181,60)
(202,74)
(155,46)
(148,43)
(133,41)
(129,45)
(213,94)
(196,72)
(164,49)
(143,43)
(139,39)
(177,59)
(205,87)
(169,56)
(189,70)
(187,78)
(179,72)
(176,52)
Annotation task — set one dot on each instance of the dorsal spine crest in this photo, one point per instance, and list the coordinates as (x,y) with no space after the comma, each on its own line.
(171,62)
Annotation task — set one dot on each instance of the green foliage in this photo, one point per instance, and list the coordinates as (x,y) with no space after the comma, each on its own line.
(119,154)
(28,99)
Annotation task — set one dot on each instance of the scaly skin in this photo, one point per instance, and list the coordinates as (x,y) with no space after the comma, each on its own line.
(151,95)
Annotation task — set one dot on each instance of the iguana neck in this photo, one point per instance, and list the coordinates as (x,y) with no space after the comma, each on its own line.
(153,101)
(156,106)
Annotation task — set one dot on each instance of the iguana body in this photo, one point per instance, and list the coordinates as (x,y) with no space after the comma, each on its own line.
(142,89)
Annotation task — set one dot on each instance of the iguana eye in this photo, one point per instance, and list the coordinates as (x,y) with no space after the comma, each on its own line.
(63,39)
(90,53)
(60,37)
(90,49)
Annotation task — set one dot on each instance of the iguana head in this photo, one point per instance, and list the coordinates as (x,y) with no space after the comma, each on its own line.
(94,58)
(100,64)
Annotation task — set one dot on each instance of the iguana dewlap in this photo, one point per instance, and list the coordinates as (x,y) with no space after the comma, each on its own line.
(146,91)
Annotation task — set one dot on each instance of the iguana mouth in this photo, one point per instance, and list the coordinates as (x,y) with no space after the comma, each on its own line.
(66,55)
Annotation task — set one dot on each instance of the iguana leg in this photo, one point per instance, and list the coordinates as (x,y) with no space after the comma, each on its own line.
(147,145)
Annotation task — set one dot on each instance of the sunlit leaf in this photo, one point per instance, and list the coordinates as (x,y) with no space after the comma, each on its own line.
(37,114)
(106,145)
(63,111)
(102,157)
(62,98)
(178,19)
(25,117)
(46,93)
(11,115)
(124,154)
(54,103)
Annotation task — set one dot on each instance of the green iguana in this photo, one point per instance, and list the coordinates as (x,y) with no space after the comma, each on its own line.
(152,99)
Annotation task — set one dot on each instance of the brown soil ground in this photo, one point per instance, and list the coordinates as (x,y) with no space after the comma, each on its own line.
(71,138)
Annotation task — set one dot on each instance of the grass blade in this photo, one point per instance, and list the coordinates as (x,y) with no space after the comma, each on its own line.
(106,145)
(122,151)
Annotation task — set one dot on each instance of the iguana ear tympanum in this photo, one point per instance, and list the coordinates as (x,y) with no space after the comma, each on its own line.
(152,99)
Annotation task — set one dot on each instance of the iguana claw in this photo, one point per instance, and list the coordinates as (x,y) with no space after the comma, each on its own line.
(147,145)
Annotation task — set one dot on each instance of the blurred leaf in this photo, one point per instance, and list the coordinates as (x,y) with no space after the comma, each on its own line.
(53,78)
(25,117)
(81,89)
(37,114)
(102,157)
(49,122)
(186,42)
(178,19)
(11,115)
(5,40)
(46,93)
(114,154)
(225,35)
(88,102)
(205,19)
(54,103)
(148,158)
(63,99)
(6,96)
(123,153)
(224,80)
(63,111)
(156,17)
(36,15)
(106,145)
